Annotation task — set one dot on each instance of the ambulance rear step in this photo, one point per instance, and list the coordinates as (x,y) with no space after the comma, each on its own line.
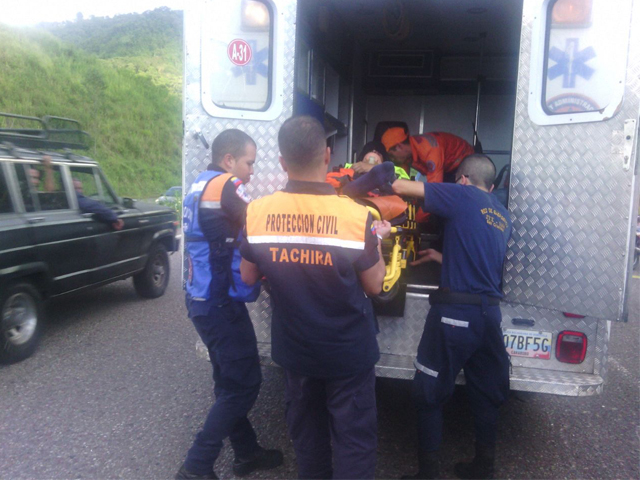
(522,379)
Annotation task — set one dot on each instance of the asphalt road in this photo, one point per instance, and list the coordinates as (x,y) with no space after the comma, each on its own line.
(116,391)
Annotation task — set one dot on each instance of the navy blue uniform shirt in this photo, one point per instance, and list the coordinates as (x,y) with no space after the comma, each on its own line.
(311,244)
(476,231)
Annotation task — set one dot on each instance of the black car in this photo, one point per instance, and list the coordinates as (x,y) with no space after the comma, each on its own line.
(49,246)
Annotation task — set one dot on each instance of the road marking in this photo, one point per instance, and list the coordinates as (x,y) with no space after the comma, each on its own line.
(636,276)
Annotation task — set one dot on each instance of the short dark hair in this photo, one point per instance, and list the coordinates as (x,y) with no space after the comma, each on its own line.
(232,141)
(479,169)
(302,142)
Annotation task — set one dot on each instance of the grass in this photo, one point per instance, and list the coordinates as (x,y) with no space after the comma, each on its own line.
(132,113)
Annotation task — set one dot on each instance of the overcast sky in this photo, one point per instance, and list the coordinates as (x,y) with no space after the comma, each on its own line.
(32,12)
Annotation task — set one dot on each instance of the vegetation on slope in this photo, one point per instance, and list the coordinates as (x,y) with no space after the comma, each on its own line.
(133,114)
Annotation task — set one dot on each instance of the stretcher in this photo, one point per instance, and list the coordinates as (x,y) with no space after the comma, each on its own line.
(400,248)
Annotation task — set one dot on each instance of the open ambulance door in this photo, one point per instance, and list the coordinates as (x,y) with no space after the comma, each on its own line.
(238,73)
(574,183)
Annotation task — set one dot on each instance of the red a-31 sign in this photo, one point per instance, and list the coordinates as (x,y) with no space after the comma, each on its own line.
(239,52)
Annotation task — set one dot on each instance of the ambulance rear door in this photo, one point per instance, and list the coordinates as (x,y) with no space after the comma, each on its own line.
(238,73)
(574,185)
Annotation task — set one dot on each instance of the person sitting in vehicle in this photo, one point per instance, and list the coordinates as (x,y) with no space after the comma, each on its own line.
(86,205)
(49,197)
(100,212)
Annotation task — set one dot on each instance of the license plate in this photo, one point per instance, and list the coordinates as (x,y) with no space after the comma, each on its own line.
(527,343)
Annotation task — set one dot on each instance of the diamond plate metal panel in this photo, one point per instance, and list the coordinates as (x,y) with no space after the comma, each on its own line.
(570,201)
(268,176)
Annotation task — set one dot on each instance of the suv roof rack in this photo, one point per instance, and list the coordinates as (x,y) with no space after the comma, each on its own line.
(47,132)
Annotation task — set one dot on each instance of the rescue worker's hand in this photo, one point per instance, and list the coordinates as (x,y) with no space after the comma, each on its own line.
(118,224)
(428,255)
(362,167)
(46,161)
(383,228)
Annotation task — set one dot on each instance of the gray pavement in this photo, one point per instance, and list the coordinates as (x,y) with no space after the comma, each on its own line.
(116,391)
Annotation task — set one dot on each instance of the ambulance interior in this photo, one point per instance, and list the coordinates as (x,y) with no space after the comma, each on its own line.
(438,65)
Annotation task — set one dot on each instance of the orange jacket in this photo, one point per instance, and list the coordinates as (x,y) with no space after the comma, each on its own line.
(437,153)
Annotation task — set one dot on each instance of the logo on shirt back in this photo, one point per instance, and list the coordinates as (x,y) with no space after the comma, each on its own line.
(494,218)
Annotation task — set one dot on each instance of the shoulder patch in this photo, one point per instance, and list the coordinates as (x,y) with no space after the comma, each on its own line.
(236,181)
(431,166)
(241,191)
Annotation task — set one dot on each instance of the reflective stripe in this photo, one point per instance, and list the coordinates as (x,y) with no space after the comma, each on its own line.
(332,242)
(198,186)
(455,323)
(424,369)
(209,204)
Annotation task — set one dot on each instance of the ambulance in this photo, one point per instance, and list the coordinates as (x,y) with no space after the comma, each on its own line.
(549,88)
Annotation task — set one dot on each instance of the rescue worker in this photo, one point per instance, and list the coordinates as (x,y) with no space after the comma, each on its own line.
(214,211)
(462,329)
(433,154)
(321,255)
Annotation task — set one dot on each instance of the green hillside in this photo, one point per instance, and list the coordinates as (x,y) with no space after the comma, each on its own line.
(150,44)
(125,93)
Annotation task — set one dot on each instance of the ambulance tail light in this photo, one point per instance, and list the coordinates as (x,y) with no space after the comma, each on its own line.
(572,12)
(571,347)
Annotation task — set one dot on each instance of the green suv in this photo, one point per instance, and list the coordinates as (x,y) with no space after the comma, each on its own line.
(64,230)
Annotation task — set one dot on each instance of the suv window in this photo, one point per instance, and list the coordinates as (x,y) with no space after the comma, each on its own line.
(45,186)
(5,201)
(84,182)
(108,197)
(28,195)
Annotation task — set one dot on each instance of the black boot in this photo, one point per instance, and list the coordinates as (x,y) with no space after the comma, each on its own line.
(184,474)
(262,460)
(481,467)
(428,466)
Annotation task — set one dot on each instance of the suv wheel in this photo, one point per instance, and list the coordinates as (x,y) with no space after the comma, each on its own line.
(20,322)
(153,280)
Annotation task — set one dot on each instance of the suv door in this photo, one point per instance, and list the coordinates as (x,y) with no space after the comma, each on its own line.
(16,238)
(64,239)
(117,252)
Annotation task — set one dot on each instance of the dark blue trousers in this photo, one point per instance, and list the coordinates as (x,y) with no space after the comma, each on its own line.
(229,336)
(339,412)
(456,337)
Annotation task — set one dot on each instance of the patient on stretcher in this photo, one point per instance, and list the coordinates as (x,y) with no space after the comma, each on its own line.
(371,186)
